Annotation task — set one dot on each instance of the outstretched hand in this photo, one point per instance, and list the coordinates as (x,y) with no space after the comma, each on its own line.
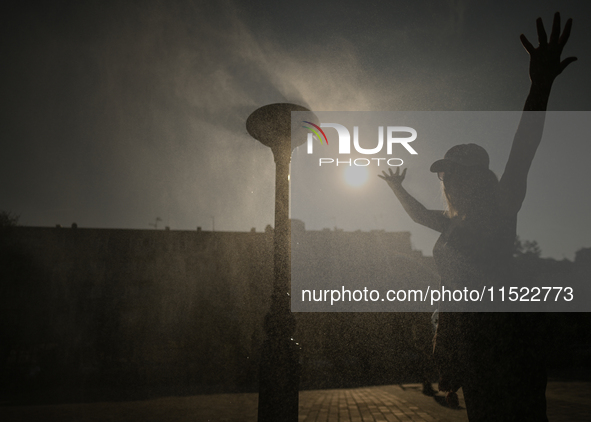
(545,64)
(394,179)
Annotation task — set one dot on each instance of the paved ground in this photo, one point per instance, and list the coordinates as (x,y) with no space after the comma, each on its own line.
(360,404)
(567,401)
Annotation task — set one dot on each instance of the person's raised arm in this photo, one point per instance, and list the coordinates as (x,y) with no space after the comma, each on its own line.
(545,65)
(430,218)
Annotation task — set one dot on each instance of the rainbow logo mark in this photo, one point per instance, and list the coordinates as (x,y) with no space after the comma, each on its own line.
(316,132)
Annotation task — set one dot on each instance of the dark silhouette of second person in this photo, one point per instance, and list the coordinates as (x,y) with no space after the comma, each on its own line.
(497,358)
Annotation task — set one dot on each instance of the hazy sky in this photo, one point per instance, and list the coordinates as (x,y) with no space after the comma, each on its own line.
(115,113)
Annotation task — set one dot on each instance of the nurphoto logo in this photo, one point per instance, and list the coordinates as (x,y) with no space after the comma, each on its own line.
(345,144)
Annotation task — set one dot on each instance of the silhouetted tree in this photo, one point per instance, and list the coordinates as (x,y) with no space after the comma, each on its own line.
(8,219)
(528,248)
(583,257)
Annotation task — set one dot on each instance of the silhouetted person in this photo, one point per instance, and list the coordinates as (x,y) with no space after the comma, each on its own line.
(497,358)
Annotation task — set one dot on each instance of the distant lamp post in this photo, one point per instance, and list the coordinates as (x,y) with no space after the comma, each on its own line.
(279,367)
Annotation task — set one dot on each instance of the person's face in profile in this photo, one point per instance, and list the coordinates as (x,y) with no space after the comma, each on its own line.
(452,185)
(461,188)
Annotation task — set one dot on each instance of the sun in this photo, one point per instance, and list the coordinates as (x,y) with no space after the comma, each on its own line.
(356,175)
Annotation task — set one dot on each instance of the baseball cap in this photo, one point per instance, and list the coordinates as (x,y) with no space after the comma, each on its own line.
(465,154)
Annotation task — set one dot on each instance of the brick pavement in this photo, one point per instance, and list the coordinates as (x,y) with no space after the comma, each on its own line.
(358,405)
(567,401)
(382,403)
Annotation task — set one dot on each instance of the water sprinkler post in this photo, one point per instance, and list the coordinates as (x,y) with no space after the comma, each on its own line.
(279,369)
